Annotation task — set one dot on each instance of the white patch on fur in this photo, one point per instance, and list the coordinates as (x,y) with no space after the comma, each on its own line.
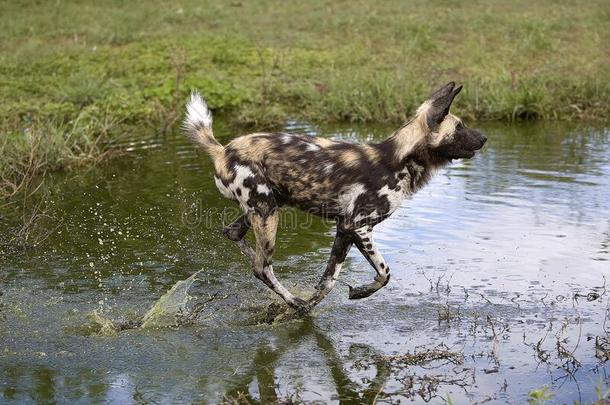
(422,110)
(395,198)
(223,190)
(241,174)
(363,232)
(330,282)
(329,167)
(263,189)
(347,197)
(197,113)
(312,147)
(337,270)
(375,255)
(286,138)
(410,136)
(372,215)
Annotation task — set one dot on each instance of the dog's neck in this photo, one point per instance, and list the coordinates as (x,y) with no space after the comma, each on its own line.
(406,140)
(419,173)
(407,149)
(410,142)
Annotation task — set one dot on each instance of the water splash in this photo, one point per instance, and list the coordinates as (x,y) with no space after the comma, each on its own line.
(174,308)
(105,326)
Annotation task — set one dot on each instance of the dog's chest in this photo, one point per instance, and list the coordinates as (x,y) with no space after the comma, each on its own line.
(392,195)
(380,201)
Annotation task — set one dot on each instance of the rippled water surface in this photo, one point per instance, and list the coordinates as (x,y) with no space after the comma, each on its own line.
(499,285)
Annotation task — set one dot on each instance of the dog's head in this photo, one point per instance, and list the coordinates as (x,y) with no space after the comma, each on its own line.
(447,136)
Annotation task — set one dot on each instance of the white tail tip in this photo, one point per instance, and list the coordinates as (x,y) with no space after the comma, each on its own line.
(197,113)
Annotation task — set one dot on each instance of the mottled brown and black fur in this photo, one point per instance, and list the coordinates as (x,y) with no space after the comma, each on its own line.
(357,185)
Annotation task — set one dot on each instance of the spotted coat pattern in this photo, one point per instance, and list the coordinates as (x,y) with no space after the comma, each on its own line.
(357,185)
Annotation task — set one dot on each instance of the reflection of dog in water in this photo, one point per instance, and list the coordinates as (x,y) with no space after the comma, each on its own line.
(356,185)
(362,375)
(266,362)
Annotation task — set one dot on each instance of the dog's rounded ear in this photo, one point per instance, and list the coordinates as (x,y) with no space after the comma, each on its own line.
(436,107)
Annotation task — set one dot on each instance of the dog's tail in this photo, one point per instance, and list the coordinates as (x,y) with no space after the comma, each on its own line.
(198,124)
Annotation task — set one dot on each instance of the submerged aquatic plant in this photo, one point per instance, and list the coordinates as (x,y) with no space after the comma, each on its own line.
(540,396)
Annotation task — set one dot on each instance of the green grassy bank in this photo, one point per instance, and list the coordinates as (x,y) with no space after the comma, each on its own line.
(74,75)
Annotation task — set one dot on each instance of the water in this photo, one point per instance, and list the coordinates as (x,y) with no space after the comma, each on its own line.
(498,285)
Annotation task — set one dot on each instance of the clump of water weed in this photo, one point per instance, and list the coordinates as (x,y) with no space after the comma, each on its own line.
(425,386)
(422,357)
(602,348)
(447,314)
(242,398)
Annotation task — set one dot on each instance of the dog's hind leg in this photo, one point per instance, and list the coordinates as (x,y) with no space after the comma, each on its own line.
(363,239)
(236,231)
(341,245)
(265,227)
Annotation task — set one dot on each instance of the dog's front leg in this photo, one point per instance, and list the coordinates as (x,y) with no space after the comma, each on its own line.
(342,244)
(364,242)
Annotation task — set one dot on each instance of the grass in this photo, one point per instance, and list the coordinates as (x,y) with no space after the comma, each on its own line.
(76,75)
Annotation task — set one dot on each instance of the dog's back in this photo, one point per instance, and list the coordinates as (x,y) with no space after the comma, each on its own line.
(352,183)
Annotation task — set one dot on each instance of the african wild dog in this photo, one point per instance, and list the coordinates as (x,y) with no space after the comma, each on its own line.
(357,185)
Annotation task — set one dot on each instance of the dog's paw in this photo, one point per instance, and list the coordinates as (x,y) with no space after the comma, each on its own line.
(230,234)
(300,306)
(356,293)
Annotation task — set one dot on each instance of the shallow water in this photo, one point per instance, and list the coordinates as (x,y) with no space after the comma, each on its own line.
(498,264)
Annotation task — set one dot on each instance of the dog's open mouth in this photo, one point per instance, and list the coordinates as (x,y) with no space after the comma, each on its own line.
(467,148)
(469,153)
(465,154)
